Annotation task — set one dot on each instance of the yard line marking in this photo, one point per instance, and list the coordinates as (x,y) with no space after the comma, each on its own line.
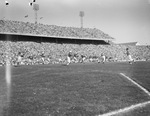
(127,109)
(146,91)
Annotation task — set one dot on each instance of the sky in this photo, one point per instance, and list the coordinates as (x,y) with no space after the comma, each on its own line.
(124,20)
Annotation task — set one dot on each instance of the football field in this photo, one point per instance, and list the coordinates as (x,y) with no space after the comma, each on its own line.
(90,89)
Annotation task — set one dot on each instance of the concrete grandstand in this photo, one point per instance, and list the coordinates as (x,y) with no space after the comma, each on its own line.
(42,32)
(46,44)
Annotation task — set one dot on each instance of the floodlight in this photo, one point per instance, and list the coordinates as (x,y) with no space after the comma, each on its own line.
(81,14)
(35,8)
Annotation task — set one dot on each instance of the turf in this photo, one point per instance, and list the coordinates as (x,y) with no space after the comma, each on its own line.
(75,90)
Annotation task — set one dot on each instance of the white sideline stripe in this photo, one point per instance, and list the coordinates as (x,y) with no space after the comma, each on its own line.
(132,107)
(146,91)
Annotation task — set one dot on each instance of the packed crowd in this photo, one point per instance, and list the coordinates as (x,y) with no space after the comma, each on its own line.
(49,53)
(50,30)
(45,53)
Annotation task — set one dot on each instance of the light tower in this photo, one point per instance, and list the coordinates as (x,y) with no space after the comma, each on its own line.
(81,14)
(36,8)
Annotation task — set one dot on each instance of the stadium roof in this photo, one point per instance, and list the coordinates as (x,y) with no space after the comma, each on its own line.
(41,30)
(81,38)
(129,43)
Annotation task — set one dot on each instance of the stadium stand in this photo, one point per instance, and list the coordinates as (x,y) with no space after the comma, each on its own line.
(19,37)
(18,27)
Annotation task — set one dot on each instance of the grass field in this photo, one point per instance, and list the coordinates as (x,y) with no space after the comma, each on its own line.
(76,90)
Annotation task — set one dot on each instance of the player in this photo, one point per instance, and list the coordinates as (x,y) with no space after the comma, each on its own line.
(69,57)
(129,56)
(75,57)
(82,58)
(60,59)
(103,58)
(19,59)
